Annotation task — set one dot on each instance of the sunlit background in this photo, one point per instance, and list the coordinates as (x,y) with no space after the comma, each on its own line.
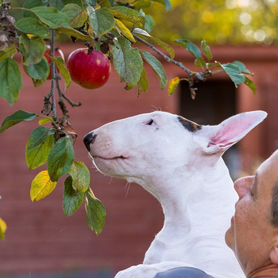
(219,21)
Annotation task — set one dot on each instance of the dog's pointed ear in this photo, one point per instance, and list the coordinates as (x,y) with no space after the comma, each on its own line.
(232,130)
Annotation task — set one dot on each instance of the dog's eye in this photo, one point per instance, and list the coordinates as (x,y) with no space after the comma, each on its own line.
(150,122)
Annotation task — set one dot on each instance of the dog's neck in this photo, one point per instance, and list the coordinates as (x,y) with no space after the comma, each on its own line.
(189,217)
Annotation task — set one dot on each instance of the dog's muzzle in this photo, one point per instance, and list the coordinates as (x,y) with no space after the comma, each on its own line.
(89,139)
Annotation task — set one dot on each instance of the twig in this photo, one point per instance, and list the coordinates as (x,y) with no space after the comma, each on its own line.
(166,57)
(201,76)
(54,76)
(73,104)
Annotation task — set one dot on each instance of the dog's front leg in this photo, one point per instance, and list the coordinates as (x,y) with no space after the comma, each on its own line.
(148,270)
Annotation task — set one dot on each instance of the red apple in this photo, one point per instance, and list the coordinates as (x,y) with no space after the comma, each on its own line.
(90,69)
(47,55)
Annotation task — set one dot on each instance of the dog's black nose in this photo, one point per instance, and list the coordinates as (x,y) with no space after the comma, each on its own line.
(89,139)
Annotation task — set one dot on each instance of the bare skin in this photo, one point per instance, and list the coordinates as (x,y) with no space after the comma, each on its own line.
(252,236)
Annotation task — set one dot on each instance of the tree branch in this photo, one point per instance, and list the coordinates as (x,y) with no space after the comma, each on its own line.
(54,76)
(166,57)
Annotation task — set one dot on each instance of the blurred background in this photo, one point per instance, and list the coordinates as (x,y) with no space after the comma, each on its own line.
(41,241)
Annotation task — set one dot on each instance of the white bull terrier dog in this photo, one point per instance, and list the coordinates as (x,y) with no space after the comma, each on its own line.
(179,162)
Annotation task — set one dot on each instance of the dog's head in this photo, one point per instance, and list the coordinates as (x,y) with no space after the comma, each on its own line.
(146,144)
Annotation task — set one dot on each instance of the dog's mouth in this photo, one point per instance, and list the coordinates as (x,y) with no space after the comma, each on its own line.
(109,158)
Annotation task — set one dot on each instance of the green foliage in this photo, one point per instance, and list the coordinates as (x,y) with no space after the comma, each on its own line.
(80,175)
(101,21)
(157,67)
(11,81)
(32,25)
(39,147)
(15,118)
(237,71)
(127,62)
(9,52)
(61,158)
(39,71)
(72,199)
(96,213)
(31,49)
(191,47)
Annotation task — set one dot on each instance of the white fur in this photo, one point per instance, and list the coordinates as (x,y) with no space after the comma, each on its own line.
(184,171)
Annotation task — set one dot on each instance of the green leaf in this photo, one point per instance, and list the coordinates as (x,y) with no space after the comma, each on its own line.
(248,82)
(18,117)
(39,147)
(7,53)
(242,67)
(70,32)
(32,3)
(234,73)
(38,71)
(11,81)
(173,85)
(60,158)
(41,186)
(149,23)
(80,20)
(128,14)
(76,15)
(168,5)
(191,47)
(206,49)
(80,176)
(72,199)
(143,84)
(102,21)
(51,16)
(157,67)
(71,10)
(31,25)
(32,49)
(96,213)
(127,62)
(3,229)
(63,70)
(200,62)
(141,4)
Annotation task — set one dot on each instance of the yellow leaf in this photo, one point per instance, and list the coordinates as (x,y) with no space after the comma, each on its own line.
(124,30)
(30,36)
(173,84)
(3,228)
(45,121)
(41,186)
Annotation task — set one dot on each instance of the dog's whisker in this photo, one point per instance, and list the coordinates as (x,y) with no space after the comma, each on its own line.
(156,108)
(127,188)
